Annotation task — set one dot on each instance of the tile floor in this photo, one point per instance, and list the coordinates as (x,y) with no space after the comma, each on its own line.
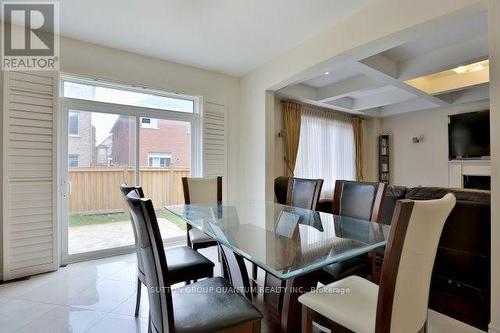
(93,296)
(99,296)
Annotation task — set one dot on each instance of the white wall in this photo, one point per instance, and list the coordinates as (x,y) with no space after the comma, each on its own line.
(279,149)
(424,163)
(114,65)
(374,27)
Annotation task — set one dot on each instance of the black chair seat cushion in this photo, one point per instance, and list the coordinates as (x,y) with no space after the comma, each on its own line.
(210,305)
(354,266)
(197,236)
(184,263)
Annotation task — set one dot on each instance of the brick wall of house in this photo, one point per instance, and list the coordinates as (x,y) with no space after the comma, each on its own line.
(83,144)
(173,137)
(123,142)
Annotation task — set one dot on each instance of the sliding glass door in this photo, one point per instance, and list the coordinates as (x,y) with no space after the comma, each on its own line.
(107,145)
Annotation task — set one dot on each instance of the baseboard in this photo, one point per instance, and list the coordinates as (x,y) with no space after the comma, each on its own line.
(493,329)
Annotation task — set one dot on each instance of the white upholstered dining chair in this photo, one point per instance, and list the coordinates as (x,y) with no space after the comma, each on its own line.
(399,304)
(201,190)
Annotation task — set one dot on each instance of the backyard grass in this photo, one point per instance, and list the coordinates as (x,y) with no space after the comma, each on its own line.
(79,220)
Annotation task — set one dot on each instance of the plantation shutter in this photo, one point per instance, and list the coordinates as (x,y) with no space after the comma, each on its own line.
(214,141)
(30,242)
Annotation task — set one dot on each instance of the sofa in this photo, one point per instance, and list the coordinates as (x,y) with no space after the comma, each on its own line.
(460,286)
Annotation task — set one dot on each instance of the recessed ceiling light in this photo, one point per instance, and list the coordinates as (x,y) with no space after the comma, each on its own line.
(475,67)
(327,73)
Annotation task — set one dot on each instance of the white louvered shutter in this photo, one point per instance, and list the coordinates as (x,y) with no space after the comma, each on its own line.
(30,242)
(214,141)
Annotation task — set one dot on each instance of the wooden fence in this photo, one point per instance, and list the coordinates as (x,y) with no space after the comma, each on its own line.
(97,190)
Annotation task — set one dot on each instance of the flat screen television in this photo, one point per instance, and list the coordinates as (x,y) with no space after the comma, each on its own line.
(469,135)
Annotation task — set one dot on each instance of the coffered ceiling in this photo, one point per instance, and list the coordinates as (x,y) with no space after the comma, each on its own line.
(413,75)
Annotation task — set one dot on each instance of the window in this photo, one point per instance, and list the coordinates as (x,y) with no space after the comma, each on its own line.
(73,160)
(102,92)
(149,122)
(159,160)
(326,148)
(73,125)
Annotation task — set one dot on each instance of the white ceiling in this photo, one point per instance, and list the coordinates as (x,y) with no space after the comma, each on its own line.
(455,32)
(331,78)
(379,85)
(229,36)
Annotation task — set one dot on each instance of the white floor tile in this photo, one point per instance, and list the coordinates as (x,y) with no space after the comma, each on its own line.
(113,323)
(18,288)
(128,273)
(60,289)
(15,314)
(64,319)
(128,307)
(103,296)
(98,269)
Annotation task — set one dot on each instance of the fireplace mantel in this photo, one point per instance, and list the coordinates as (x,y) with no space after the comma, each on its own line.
(457,169)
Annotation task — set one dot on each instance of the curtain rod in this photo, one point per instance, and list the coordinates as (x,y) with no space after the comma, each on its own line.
(319,108)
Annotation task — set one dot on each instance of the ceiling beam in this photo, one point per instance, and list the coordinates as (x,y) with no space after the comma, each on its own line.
(300,91)
(475,94)
(382,64)
(408,106)
(381,76)
(381,99)
(344,88)
(345,103)
(445,58)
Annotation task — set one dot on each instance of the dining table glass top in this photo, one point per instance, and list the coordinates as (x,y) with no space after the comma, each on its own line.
(283,240)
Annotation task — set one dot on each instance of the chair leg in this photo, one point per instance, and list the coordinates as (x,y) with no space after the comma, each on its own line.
(256,326)
(307,322)
(254,279)
(150,329)
(138,297)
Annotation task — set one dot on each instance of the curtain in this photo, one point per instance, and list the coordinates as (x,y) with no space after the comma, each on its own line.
(327,148)
(291,127)
(357,127)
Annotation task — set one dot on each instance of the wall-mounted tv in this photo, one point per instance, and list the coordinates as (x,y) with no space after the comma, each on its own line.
(469,135)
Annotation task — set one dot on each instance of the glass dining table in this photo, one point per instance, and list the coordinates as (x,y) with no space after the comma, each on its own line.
(287,242)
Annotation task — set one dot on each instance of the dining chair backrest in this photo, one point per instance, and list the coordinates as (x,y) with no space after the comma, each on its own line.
(202,190)
(408,262)
(235,270)
(362,200)
(303,193)
(126,189)
(151,250)
(281,189)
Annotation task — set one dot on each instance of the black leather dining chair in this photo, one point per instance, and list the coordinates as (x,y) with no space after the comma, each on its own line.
(210,305)
(362,200)
(303,193)
(298,192)
(185,264)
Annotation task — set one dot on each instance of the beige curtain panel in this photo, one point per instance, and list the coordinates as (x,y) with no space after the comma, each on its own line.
(291,127)
(357,127)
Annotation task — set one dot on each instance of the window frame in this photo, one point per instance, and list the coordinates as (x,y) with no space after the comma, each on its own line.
(159,156)
(66,103)
(65,77)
